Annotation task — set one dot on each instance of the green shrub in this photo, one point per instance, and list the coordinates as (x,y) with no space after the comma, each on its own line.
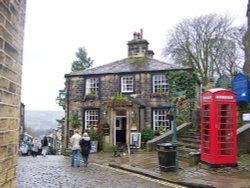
(147,134)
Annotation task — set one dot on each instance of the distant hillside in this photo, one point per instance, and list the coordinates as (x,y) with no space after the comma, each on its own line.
(42,120)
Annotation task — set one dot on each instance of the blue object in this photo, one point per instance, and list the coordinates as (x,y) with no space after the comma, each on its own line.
(241,87)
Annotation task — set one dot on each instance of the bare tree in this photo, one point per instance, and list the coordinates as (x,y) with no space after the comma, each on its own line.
(209,44)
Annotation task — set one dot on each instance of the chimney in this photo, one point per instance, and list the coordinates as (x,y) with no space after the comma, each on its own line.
(141,33)
(138,47)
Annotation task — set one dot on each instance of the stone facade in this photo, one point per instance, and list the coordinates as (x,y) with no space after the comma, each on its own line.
(139,78)
(12,21)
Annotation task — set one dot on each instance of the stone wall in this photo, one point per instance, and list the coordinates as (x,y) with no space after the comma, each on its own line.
(243,142)
(12,20)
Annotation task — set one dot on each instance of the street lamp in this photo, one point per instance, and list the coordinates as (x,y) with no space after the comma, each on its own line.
(174,138)
(60,99)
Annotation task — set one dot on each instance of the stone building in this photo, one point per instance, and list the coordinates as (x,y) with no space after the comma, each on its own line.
(122,97)
(12,21)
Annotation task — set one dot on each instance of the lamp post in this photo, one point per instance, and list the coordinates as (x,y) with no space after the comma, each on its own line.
(174,138)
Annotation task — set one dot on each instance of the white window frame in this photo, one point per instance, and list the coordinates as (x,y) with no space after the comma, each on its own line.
(127,84)
(161,116)
(91,118)
(92,86)
(158,81)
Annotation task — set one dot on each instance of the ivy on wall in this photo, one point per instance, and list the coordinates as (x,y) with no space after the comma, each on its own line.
(185,92)
(185,83)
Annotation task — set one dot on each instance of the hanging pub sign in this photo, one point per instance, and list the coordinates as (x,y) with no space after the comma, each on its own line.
(241,87)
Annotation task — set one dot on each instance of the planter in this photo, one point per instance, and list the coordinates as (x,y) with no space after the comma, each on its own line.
(90,97)
(120,103)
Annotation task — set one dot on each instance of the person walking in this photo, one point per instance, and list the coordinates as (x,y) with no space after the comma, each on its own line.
(44,143)
(75,141)
(35,147)
(85,147)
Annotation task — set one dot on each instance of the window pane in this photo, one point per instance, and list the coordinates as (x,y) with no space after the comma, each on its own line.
(160,83)
(160,119)
(127,84)
(92,85)
(91,118)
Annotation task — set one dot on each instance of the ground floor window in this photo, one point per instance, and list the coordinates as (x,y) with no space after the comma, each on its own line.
(160,119)
(91,118)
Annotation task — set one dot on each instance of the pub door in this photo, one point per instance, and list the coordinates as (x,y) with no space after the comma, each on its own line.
(120,130)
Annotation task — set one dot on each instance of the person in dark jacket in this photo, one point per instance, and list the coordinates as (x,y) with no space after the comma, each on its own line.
(85,148)
(44,146)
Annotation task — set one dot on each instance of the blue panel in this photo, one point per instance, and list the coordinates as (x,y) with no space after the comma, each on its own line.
(241,88)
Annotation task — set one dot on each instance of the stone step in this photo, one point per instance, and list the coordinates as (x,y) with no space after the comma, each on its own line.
(189,140)
(189,145)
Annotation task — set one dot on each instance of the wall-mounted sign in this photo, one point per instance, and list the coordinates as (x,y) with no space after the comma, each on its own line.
(246,117)
(241,87)
(106,129)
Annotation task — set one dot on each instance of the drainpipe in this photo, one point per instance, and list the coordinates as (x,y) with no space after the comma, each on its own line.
(67,112)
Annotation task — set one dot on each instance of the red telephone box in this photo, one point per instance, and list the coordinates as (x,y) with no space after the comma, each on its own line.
(218,128)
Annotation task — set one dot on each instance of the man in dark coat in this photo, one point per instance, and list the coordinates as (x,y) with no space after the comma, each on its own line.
(85,147)
(44,146)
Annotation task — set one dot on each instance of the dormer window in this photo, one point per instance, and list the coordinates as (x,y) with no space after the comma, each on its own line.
(127,84)
(92,86)
(160,84)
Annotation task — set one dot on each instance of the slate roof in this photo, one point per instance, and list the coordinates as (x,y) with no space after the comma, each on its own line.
(127,66)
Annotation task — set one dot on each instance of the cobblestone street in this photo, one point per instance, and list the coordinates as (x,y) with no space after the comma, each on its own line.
(55,171)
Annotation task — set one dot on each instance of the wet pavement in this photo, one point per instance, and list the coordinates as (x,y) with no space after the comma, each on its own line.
(141,162)
(193,176)
(55,171)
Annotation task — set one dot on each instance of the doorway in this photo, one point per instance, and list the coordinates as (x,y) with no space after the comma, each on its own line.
(120,128)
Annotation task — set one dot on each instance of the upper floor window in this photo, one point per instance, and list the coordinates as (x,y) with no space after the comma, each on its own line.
(92,86)
(127,84)
(160,84)
(91,118)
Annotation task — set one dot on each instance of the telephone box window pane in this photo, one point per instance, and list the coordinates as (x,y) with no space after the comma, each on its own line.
(206,132)
(206,125)
(226,145)
(225,113)
(225,139)
(206,107)
(206,113)
(225,120)
(226,126)
(206,119)
(206,150)
(206,137)
(225,107)
(225,132)
(226,152)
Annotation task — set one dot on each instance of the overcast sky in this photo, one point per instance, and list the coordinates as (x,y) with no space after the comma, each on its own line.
(55,29)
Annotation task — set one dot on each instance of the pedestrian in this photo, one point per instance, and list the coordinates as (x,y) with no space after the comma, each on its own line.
(85,147)
(44,143)
(75,141)
(35,147)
